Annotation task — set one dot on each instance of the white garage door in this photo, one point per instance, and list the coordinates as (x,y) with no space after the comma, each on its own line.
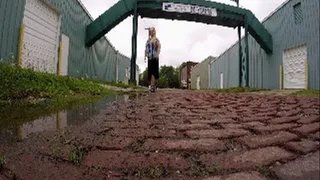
(65,54)
(41,37)
(198,82)
(294,75)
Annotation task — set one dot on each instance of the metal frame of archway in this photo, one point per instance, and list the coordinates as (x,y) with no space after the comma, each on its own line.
(223,14)
(243,51)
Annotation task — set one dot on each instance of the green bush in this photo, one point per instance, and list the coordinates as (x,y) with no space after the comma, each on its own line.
(307,93)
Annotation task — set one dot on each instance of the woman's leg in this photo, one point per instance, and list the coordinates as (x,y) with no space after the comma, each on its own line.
(156,72)
(149,73)
(153,81)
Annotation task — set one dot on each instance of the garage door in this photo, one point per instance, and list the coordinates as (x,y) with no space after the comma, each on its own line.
(65,55)
(294,74)
(41,37)
(198,82)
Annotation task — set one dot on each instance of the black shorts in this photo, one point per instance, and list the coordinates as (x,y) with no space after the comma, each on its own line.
(153,68)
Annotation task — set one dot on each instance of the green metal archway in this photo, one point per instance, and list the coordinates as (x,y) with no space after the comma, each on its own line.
(190,10)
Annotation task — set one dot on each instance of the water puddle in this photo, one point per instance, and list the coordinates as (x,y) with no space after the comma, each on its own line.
(59,120)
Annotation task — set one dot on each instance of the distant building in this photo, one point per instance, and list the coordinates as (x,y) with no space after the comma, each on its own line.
(200,74)
(185,74)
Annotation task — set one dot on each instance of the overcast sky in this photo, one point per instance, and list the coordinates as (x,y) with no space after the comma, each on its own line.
(181,41)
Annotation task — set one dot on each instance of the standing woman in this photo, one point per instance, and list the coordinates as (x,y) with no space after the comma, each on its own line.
(152,53)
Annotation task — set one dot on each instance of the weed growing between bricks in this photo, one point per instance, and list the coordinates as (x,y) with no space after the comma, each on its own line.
(137,145)
(55,151)
(77,154)
(252,131)
(181,133)
(12,175)
(235,146)
(198,169)
(2,162)
(267,172)
(157,172)
(153,172)
(216,125)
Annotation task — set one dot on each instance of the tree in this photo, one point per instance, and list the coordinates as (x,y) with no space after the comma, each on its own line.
(162,82)
(144,78)
(170,74)
(168,77)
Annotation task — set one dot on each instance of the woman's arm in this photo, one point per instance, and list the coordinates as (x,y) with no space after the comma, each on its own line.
(146,51)
(159,47)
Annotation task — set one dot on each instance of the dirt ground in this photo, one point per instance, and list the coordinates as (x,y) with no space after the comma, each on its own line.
(179,134)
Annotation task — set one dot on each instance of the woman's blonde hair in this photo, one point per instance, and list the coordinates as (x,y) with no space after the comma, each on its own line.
(152,34)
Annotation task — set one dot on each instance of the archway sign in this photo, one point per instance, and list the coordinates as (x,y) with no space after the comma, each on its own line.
(190,10)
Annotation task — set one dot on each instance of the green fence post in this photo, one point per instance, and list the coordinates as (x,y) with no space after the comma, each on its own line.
(247,52)
(240,59)
(134,44)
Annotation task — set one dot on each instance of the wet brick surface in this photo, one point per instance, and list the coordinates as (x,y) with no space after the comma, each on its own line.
(304,146)
(300,169)
(280,120)
(248,159)
(308,128)
(217,133)
(275,127)
(307,120)
(188,145)
(128,160)
(240,176)
(275,138)
(179,134)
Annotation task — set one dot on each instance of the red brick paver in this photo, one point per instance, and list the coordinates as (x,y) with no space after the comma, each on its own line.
(248,159)
(303,146)
(315,135)
(128,160)
(190,145)
(300,169)
(275,127)
(217,133)
(240,176)
(307,120)
(269,139)
(308,128)
(280,120)
(189,126)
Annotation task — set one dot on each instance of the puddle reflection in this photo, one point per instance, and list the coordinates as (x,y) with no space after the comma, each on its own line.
(61,119)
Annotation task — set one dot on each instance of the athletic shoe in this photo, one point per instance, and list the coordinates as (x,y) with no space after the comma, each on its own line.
(153,89)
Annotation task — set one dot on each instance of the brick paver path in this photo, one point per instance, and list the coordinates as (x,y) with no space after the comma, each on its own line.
(179,135)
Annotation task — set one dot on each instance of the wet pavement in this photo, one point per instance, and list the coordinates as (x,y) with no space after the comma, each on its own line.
(11,132)
(178,135)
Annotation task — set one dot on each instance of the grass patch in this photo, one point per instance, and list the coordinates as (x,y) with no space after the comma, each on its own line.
(238,90)
(307,93)
(119,84)
(18,83)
